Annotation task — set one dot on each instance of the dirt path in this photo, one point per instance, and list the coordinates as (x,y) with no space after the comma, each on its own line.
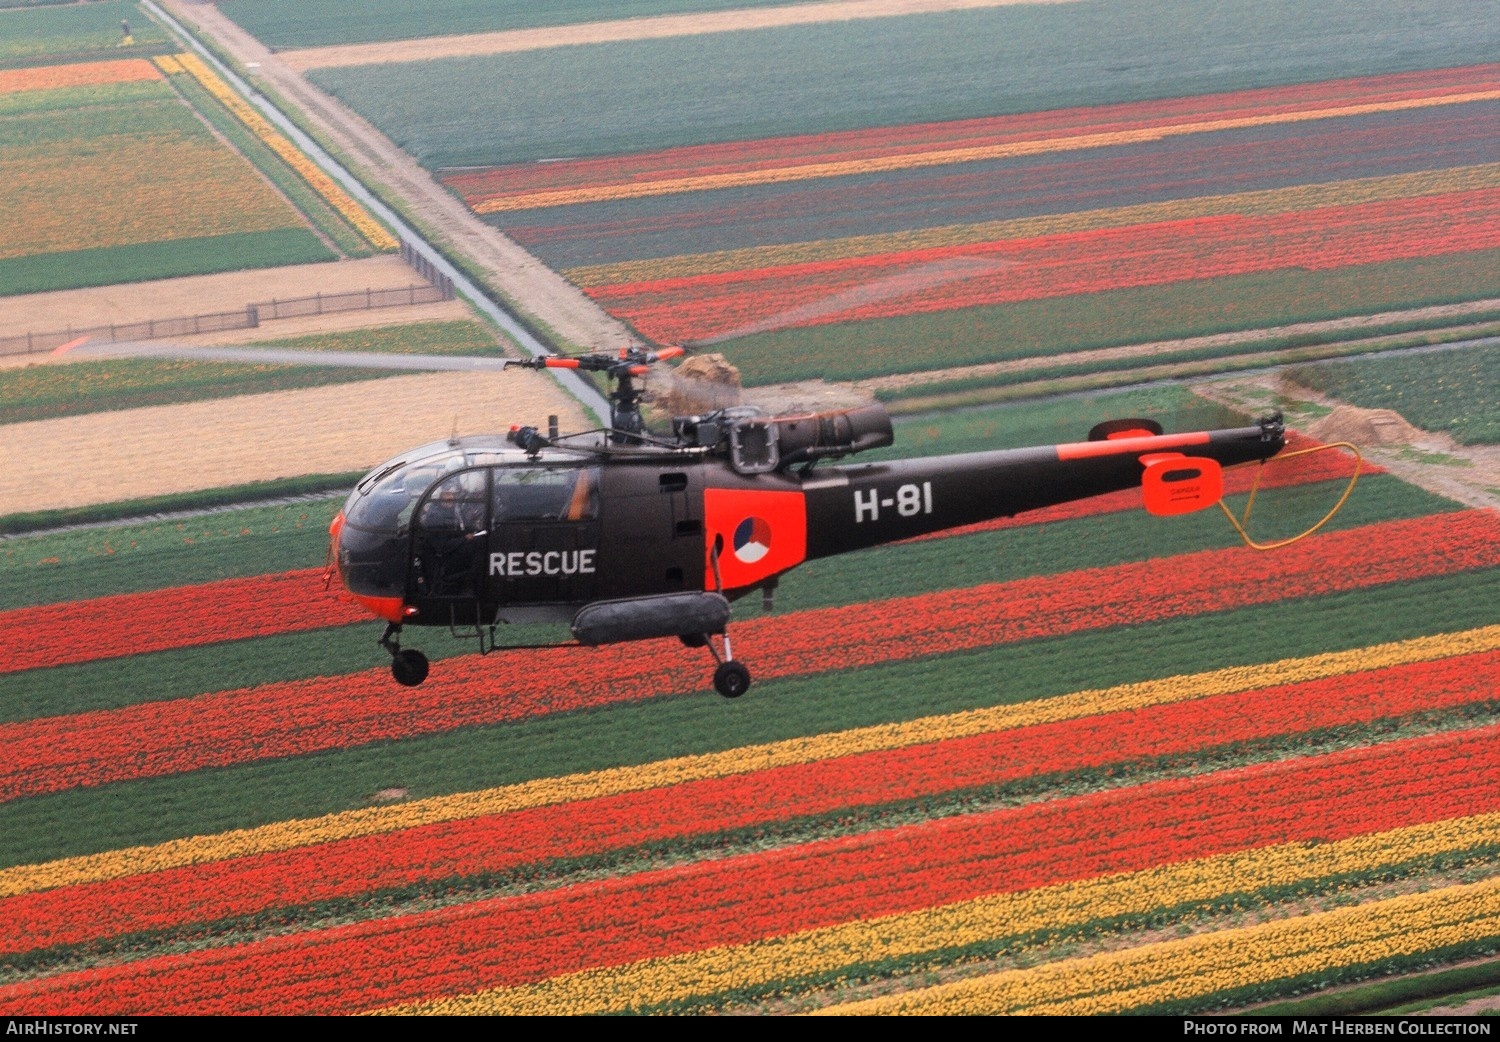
(511,271)
(658,27)
(113,456)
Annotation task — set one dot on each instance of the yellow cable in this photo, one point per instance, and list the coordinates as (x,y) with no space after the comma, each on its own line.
(1241,523)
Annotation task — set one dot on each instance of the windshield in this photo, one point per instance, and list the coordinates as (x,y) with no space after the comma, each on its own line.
(384,499)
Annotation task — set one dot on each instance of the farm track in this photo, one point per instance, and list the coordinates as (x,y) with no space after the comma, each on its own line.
(513,272)
(655,28)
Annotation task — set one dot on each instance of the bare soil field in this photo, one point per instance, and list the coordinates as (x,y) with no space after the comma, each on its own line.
(113,456)
(658,27)
(209,294)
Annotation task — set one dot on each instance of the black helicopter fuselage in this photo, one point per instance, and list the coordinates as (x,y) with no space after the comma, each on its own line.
(627,543)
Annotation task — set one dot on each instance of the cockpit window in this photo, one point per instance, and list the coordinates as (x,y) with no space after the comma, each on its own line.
(458,503)
(546,494)
(387,505)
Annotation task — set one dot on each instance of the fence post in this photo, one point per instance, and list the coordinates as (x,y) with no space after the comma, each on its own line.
(252,316)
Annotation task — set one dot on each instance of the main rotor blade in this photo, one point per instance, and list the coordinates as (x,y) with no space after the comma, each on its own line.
(276,356)
(923,277)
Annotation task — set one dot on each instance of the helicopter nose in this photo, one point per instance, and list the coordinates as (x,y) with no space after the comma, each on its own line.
(374,599)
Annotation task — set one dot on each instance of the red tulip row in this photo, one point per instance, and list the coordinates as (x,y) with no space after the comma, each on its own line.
(175,617)
(289,602)
(736,900)
(204,893)
(1094,261)
(478,186)
(275,720)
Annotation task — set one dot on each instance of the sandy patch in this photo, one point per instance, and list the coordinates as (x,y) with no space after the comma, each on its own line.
(197,294)
(659,27)
(107,457)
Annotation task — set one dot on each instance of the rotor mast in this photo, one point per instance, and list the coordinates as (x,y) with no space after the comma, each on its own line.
(625,424)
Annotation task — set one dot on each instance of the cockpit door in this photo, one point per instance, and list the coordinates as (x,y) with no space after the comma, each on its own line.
(450,542)
(545,546)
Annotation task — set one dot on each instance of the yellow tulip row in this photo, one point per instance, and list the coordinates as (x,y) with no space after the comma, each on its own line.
(991,920)
(1261,201)
(545,791)
(946,156)
(324,185)
(1197,967)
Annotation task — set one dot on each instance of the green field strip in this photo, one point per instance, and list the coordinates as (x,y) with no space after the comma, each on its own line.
(141,262)
(71,100)
(1054,327)
(83,821)
(1417,994)
(47,392)
(77,32)
(42,393)
(318,23)
(29,133)
(301,195)
(99,562)
(878,574)
(641,95)
(1456,391)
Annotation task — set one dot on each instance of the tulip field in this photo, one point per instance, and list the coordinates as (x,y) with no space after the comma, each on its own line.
(860,253)
(109,177)
(124,162)
(1080,761)
(983,771)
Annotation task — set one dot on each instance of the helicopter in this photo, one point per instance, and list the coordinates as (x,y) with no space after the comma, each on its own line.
(623,535)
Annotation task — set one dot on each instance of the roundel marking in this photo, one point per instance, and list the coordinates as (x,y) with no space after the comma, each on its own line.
(752,540)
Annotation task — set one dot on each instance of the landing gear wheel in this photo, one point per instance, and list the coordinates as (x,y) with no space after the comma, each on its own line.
(731,679)
(409,668)
(693,640)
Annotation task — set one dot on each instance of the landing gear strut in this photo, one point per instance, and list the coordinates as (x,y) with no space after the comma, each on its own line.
(408,666)
(731,678)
